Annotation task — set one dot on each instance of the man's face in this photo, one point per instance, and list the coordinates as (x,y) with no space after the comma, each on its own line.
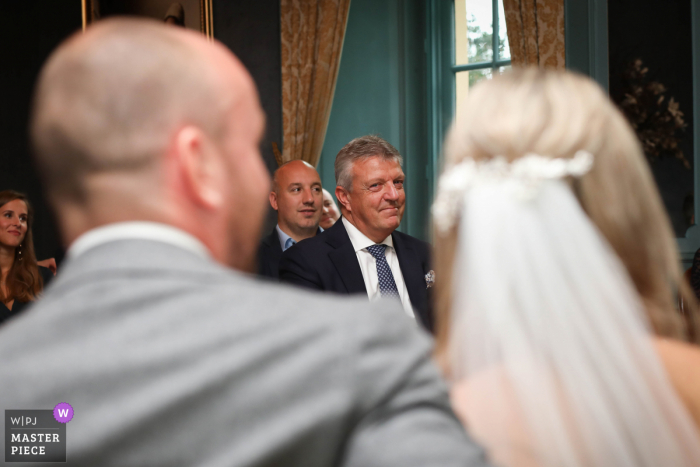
(330,211)
(249,181)
(298,198)
(377,199)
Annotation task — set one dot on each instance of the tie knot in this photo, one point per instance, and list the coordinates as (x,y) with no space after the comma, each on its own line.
(290,241)
(377,251)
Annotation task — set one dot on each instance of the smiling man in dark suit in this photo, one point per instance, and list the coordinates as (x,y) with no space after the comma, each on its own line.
(363,253)
(297,197)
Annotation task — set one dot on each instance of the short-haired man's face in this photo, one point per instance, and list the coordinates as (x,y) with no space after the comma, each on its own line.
(248,178)
(298,199)
(377,199)
(330,211)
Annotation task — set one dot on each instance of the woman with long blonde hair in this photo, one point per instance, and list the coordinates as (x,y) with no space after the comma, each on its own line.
(556,275)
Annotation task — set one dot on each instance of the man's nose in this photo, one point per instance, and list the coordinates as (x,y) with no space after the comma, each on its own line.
(308,197)
(391,192)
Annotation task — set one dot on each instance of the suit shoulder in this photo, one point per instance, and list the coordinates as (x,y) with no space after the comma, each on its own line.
(270,239)
(409,238)
(263,249)
(307,245)
(413,241)
(353,317)
(268,245)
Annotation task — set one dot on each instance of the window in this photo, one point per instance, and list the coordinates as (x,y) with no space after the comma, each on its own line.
(466,42)
(480,44)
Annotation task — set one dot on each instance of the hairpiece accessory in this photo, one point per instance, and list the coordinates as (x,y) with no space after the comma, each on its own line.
(524,176)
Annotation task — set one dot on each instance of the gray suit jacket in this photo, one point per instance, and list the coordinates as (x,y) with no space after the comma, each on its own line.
(169,359)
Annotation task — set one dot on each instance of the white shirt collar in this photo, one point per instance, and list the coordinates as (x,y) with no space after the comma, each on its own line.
(359,240)
(283,236)
(137,231)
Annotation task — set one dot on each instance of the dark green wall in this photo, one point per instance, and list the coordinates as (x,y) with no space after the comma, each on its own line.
(586,30)
(381,90)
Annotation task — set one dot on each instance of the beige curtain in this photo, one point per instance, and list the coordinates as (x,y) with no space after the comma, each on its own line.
(312,41)
(536,32)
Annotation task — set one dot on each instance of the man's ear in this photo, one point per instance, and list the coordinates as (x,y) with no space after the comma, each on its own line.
(273,200)
(202,168)
(343,197)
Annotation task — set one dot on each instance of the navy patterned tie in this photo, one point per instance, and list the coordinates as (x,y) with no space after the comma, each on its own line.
(387,286)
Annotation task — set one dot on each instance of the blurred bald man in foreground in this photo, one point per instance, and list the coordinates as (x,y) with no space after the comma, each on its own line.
(298,199)
(147,138)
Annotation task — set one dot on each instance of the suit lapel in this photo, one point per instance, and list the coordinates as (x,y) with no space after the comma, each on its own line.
(411,270)
(273,241)
(344,258)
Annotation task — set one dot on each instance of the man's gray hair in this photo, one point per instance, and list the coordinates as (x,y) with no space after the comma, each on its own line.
(361,148)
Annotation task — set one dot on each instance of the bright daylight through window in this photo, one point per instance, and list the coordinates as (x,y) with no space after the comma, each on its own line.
(481,44)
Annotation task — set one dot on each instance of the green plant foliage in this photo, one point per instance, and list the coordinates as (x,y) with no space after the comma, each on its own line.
(480,50)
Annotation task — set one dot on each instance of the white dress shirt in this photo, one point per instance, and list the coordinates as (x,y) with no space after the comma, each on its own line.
(368,265)
(137,230)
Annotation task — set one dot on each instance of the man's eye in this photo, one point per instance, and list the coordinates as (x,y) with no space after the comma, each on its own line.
(399,183)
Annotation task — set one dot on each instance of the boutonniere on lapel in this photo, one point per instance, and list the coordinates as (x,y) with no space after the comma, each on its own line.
(430,279)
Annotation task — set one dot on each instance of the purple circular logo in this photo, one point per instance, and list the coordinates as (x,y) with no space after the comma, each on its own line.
(63,412)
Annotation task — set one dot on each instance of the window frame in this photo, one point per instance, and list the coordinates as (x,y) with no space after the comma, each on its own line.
(690,243)
(494,63)
(442,72)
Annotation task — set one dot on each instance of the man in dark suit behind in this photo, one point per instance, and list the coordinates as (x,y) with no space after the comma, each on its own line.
(363,253)
(298,199)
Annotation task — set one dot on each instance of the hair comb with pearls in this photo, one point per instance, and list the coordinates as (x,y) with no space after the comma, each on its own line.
(524,176)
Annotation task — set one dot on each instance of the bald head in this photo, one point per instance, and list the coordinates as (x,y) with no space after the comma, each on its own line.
(110,99)
(135,120)
(297,196)
(290,170)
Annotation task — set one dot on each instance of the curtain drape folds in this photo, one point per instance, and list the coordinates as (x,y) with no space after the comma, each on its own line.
(312,33)
(536,32)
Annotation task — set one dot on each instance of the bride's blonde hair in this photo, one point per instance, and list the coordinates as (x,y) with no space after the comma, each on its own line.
(556,114)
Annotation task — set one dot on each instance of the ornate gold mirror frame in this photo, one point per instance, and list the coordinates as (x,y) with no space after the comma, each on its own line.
(91,12)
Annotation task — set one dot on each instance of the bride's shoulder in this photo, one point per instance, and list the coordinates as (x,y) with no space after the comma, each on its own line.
(682,363)
(679,355)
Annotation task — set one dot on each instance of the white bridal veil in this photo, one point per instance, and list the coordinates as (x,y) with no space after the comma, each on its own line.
(548,335)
